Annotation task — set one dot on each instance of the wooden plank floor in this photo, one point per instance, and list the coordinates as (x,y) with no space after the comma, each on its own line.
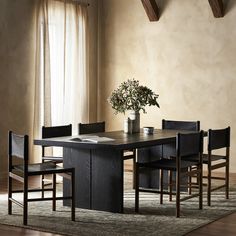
(225,226)
(17,231)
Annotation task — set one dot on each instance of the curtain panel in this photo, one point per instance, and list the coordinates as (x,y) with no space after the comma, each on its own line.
(61,85)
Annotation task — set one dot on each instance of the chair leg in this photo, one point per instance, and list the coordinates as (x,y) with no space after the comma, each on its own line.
(137,188)
(25,202)
(161,186)
(227,180)
(42,183)
(209,185)
(134,169)
(190,182)
(9,195)
(177,193)
(73,195)
(54,192)
(170,185)
(42,186)
(200,187)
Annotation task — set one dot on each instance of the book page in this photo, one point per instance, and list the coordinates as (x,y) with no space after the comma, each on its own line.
(98,139)
(92,138)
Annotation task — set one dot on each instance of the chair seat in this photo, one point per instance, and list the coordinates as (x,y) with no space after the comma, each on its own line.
(205,158)
(213,158)
(167,164)
(42,168)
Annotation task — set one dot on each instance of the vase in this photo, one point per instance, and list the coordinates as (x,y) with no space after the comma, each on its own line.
(135,118)
(128,126)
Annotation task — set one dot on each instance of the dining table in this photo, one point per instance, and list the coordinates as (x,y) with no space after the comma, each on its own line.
(99,166)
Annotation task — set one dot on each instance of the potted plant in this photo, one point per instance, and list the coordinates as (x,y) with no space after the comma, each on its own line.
(130,96)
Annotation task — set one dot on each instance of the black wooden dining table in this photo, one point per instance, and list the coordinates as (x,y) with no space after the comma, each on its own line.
(99,167)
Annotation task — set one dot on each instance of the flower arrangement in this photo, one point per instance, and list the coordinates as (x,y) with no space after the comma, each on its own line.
(132,96)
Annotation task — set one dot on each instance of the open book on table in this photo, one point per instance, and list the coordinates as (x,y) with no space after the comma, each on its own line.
(92,138)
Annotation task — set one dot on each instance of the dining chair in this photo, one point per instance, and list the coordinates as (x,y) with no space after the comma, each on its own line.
(181,125)
(18,149)
(99,127)
(53,132)
(187,145)
(88,128)
(168,150)
(218,140)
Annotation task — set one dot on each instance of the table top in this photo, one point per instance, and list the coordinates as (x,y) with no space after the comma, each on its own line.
(121,140)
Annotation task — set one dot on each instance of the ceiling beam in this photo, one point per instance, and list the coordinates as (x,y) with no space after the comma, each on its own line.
(217,7)
(151,9)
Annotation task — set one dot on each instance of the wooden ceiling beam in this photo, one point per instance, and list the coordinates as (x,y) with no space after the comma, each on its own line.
(217,7)
(151,9)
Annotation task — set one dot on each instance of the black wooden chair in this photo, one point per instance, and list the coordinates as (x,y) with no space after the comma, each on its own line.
(217,139)
(99,127)
(169,149)
(52,132)
(187,145)
(181,125)
(18,149)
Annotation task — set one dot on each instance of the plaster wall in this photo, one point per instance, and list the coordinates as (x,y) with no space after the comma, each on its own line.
(17,59)
(188,57)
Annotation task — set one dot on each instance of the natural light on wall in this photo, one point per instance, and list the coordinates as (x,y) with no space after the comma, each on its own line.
(63,61)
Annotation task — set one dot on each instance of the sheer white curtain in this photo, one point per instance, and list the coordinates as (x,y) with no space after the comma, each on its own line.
(62,86)
(61,91)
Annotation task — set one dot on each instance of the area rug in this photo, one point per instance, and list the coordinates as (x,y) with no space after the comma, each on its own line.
(153,219)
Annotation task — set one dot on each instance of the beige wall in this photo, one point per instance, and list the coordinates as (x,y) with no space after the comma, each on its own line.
(16,70)
(93,58)
(188,58)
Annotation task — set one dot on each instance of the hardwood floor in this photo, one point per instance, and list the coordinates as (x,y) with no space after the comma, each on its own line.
(17,231)
(225,226)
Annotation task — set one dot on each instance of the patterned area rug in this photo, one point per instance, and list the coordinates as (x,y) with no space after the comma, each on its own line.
(153,219)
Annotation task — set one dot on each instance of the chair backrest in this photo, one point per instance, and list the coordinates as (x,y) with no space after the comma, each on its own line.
(181,125)
(170,149)
(56,131)
(18,147)
(189,144)
(89,128)
(218,138)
